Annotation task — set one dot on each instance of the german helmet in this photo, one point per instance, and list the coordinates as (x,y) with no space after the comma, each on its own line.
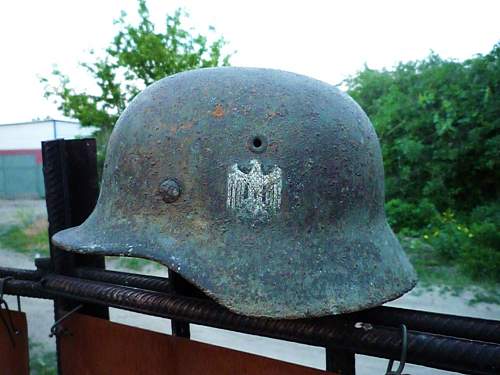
(263,188)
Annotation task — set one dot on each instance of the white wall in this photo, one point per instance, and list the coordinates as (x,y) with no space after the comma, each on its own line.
(30,135)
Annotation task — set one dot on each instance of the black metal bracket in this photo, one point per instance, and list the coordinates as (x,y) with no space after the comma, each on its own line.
(402,359)
(55,329)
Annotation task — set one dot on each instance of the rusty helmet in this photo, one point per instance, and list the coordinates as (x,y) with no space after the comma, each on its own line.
(263,188)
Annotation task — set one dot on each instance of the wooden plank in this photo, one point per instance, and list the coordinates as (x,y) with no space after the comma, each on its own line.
(14,359)
(96,346)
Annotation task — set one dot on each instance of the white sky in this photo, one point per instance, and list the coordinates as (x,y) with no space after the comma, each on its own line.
(328,40)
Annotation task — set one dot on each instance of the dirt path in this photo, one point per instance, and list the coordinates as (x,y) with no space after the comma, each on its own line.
(11,211)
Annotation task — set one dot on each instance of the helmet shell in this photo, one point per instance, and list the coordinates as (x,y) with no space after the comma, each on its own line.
(263,188)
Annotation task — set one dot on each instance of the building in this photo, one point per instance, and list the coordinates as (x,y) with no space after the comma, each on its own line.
(21,155)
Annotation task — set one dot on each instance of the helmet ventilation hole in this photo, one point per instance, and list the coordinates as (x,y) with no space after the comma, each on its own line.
(257,144)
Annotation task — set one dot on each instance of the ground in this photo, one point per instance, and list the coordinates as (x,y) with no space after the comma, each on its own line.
(40,312)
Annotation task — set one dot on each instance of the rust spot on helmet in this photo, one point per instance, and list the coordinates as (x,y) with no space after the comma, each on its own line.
(273,114)
(185,126)
(273,147)
(218,112)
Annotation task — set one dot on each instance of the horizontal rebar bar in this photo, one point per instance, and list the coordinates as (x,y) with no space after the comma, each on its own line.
(25,288)
(447,353)
(443,324)
(20,274)
(442,352)
(424,321)
(159,284)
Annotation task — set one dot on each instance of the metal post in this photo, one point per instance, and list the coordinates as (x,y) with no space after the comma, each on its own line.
(179,328)
(179,285)
(340,361)
(71,191)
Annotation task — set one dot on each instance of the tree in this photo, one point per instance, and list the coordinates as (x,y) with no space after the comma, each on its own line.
(137,56)
(439,126)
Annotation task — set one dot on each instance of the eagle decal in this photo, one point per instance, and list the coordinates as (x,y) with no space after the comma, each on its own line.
(254,194)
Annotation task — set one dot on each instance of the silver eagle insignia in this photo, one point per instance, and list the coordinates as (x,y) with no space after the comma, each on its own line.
(254,194)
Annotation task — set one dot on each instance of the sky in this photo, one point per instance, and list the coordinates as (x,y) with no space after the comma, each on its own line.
(328,40)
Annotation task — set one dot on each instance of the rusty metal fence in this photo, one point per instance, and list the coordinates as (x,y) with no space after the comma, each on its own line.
(80,283)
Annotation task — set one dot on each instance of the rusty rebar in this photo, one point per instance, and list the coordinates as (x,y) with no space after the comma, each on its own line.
(443,352)
(424,321)
(447,353)
(154,283)
(443,324)
(26,288)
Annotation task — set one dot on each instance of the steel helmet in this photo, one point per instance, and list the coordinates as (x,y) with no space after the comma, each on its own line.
(263,188)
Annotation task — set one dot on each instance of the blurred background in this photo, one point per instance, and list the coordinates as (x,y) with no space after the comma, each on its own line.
(427,73)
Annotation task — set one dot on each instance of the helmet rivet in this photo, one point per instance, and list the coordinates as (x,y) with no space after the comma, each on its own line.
(170,190)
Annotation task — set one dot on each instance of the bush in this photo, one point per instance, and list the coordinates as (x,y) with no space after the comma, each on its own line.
(437,121)
(405,217)
(42,361)
(481,255)
(447,238)
(472,246)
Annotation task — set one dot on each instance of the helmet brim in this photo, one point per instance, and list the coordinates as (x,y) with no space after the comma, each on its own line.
(322,272)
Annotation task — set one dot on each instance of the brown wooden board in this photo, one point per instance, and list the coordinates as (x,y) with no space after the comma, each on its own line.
(14,359)
(99,347)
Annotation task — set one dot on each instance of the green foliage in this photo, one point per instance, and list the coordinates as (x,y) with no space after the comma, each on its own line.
(439,126)
(447,237)
(42,362)
(481,254)
(405,217)
(138,56)
(433,271)
(133,264)
(438,122)
(470,243)
(29,237)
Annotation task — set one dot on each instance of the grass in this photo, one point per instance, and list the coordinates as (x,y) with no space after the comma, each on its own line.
(134,264)
(434,271)
(29,237)
(42,362)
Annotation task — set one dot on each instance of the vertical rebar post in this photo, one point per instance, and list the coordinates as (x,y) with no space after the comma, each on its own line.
(71,191)
(179,328)
(340,361)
